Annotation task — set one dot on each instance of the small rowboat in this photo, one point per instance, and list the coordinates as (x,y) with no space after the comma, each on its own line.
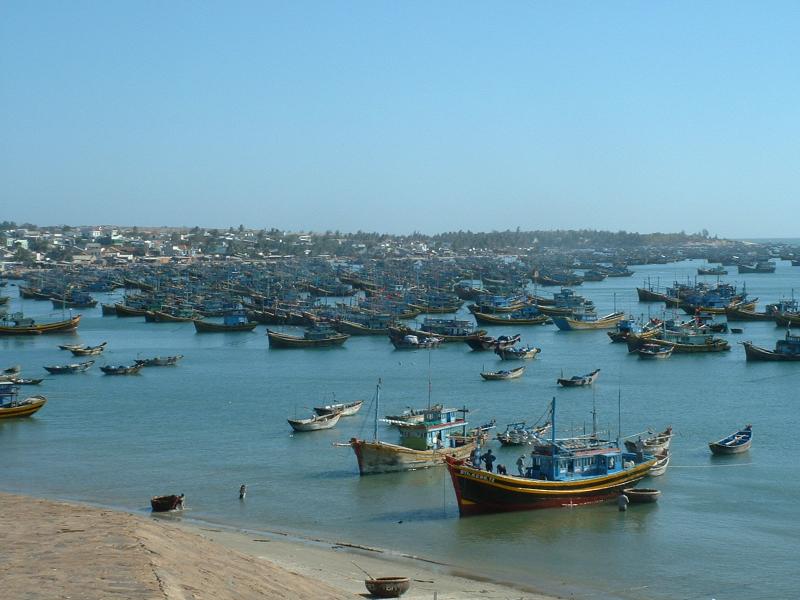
(498,375)
(641,495)
(655,444)
(523,353)
(578,380)
(88,350)
(388,587)
(735,443)
(654,351)
(315,423)
(158,361)
(661,464)
(167,503)
(122,369)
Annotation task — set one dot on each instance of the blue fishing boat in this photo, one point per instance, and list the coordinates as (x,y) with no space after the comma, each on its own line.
(561,472)
(787,349)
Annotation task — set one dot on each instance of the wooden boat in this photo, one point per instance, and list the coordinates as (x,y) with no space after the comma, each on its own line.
(653,444)
(353,328)
(346,409)
(681,342)
(560,474)
(11,406)
(498,375)
(788,319)
(654,351)
(70,346)
(516,318)
(523,353)
(587,321)
(579,380)
(122,369)
(388,587)
(412,342)
(661,464)
(89,350)
(718,270)
(158,361)
(126,310)
(167,503)
(787,349)
(410,415)
(24,381)
(316,422)
(488,342)
(73,368)
(737,313)
(232,324)
(319,336)
(109,310)
(735,443)
(422,445)
(160,316)
(12,371)
(15,324)
(75,301)
(641,495)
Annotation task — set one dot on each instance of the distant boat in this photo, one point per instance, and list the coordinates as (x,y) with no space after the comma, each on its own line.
(522,353)
(509,374)
(652,444)
(488,342)
(344,409)
(88,350)
(579,380)
(72,368)
(316,422)
(518,434)
(319,336)
(735,443)
(654,351)
(158,361)
(787,349)
(584,321)
(122,369)
(11,406)
(16,324)
(232,323)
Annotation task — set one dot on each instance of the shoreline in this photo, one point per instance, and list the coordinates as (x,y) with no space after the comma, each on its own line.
(173,557)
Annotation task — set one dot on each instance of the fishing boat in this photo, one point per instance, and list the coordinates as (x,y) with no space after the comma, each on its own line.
(488,342)
(387,587)
(441,433)
(787,349)
(561,473)
(735,443)
(108,310)
(649,351)
(72,368)
(23,381)
(16,324)
(788,319)
(158,361)
(70,346)
(232,323)
(587,320)
(641,495)
(519,434)
(10,404)
(171,315)
(413,342)
(718,270)
(579,380)
(410,416)
(528,315)
(316,422)
(122,369)
(450,330)
(761,266)
(652,444)
(505,374)
(522,353)
(12,371)
(318,336)
(167,503)
(345,409)
(74,300)
(630,326)
(681,342)
(88,350)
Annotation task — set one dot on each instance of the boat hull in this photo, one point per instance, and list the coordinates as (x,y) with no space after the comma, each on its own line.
(479,491)
(756,353)
(380,457)
(207,327)
(24,409)
(57,327)
(280,340)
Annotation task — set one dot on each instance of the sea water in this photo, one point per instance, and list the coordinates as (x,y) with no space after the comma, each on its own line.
(723,527)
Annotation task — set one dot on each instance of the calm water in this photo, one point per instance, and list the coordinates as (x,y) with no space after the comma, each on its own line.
(722,529)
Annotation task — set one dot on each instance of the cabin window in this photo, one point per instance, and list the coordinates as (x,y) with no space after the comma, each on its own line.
(610,462)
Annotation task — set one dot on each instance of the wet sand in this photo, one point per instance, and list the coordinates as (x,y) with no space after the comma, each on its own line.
(64,550)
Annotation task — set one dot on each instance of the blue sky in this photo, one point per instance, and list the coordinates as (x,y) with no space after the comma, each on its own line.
(402,116)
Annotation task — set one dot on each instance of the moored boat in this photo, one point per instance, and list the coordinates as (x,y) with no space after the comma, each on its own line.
(72,368)
(16,324)
(735,443)
(88,350)
(10,404)
(652,444)
(649,351)
(641,495)
(588,320)
(167,503)
(579,380)
(122,369)
(559,474)
(787,349)
(318,336)
(232,323)
(505,374)
(316,422)
(488,342)
(521,353)
(159,361)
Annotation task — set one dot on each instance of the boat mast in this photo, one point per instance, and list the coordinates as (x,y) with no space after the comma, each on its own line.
(553,468)
(619,415)
(377,402)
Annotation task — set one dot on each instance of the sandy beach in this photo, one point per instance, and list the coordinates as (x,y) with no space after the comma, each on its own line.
(65,550)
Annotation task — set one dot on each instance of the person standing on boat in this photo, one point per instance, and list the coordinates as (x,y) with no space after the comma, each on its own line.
(488,458)
(521,465)
(475,458)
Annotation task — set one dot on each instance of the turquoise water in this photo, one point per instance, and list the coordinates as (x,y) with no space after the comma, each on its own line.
(722,529)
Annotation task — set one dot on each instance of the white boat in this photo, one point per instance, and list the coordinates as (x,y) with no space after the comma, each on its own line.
(344,409)
(661,464)
(315,423)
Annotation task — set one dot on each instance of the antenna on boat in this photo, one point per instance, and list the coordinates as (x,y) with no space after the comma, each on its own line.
(429,377)
(619,414)
(594,413)
(377,402)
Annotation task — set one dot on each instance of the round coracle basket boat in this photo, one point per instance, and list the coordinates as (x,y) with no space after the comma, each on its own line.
(641,494)
(388,587)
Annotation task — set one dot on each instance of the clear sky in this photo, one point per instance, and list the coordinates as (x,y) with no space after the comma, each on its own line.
(401,116)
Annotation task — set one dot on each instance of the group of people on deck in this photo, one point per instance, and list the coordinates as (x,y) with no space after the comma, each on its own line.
(488,458)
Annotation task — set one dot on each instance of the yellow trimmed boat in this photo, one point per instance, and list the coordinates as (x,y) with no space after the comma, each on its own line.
(11,406)
(16,324)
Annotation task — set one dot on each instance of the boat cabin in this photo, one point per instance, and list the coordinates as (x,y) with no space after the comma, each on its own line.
(447,326)
(437,430)
(576,464)
(235,318)
(790,345)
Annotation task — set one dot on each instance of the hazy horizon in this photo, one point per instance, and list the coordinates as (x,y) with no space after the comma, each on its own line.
(400,117)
